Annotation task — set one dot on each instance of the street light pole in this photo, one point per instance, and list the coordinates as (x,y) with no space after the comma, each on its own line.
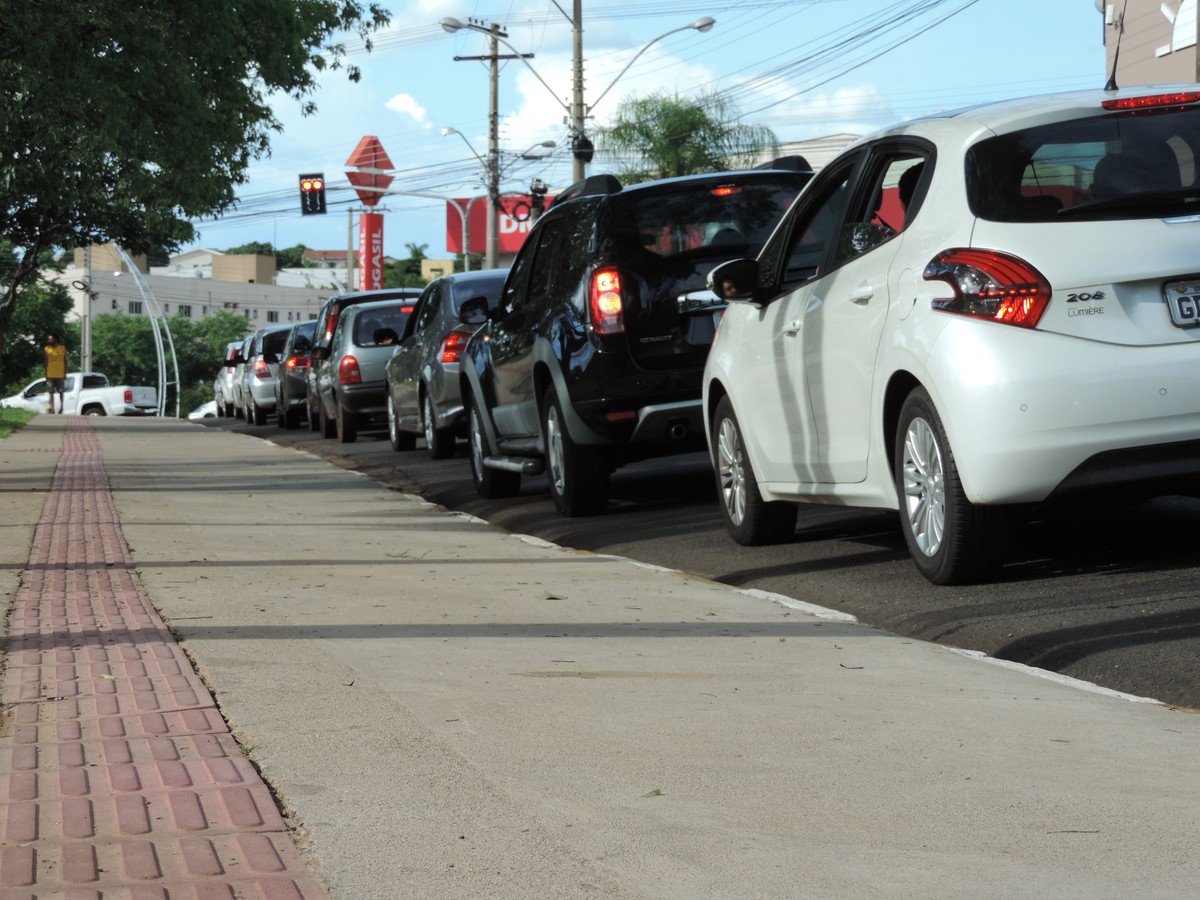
(492,250)
(577,110)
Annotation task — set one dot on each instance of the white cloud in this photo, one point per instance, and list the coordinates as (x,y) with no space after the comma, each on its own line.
(406,105)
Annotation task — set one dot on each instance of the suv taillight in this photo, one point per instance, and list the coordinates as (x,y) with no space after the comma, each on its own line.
(453,345)
(990,285)
(605,305)
(128,395)
(296,362)
(348,371)
(261,370)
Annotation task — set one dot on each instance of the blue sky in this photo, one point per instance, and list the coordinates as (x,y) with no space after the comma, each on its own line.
(774,58)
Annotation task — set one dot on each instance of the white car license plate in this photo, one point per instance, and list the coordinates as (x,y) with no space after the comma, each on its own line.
(1183,302)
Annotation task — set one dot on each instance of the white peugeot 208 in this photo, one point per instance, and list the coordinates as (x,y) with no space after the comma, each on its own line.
(968,314)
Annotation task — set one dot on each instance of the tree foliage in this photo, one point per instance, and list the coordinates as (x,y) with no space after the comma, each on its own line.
(123,349)
(122,121)
(407,272)
(44,310)
(665,136)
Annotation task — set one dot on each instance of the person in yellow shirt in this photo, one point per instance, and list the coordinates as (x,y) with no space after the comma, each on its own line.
(56,370)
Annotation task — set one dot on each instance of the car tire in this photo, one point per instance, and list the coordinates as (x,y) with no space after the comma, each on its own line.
(93,411)
(283,416)
(951,540)
(749,519)
(328,425)
(491,484)
(346,425)
(578,475)
(314,415)
(438,441)
(259,414)
(400,440)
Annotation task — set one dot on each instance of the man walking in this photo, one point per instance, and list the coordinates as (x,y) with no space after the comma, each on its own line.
(56,371)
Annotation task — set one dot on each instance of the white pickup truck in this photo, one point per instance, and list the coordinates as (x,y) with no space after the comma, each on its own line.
(88,394)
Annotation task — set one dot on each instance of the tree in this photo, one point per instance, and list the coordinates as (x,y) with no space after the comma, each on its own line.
(406,272)
(44,310)
(151,118)
(123,349)
(662,136)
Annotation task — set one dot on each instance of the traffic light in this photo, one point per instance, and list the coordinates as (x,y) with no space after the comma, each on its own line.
(312,194)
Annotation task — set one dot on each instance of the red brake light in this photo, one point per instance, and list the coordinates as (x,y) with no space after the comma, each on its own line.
(605,304)
(453,345)
(348,371)
(726,190)
(128,395)
(1151,101)
(261,370)
(296,362)
(990,285)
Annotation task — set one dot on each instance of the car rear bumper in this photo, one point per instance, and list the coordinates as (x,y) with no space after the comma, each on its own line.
(1033,415)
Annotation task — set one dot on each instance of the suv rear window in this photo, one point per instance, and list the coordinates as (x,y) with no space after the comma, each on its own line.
(725,217)
(1120,166)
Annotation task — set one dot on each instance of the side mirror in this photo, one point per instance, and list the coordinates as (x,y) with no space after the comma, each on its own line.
(734,280)
(272,358)
(473,311)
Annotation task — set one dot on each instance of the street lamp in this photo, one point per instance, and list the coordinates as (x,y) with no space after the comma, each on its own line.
(491,168)
(576,110)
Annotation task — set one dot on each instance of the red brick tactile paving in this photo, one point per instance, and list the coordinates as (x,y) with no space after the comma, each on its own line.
(118,777)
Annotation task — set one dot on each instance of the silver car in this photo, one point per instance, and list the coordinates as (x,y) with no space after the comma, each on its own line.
(261,352)
(423,395)
(349,371)
(223,392)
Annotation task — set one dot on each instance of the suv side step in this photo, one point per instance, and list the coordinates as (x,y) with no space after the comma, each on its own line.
(523,465)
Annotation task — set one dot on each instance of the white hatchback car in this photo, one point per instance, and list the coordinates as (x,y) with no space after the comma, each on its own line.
(965,314)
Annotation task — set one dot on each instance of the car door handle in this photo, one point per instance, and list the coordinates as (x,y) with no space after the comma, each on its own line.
(793,327)
(862,294)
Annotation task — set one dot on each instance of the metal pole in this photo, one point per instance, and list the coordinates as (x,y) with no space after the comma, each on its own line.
(493,160)
(350,286)
(86,354)
(578,111)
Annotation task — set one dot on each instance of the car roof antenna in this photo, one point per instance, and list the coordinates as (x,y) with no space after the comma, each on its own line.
(1120,26)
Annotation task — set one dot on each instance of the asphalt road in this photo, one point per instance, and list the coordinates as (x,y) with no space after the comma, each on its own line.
(1108,596)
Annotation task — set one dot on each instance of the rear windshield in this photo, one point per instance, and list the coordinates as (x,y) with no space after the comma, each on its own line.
(1119,166)
(370,321)
(273,342)
(732,218)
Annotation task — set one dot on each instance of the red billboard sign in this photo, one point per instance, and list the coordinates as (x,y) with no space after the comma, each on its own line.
(515,220)
(370,251)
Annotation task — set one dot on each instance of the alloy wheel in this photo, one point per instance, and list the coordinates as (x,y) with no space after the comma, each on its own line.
(924,486)
(731,461)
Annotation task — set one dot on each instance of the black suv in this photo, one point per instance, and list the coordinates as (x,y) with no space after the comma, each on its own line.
(593,357)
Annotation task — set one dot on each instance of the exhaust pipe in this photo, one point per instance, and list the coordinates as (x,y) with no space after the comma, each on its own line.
(677,431)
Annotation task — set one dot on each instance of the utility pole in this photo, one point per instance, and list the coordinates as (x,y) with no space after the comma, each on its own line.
(493,57)
(578,110)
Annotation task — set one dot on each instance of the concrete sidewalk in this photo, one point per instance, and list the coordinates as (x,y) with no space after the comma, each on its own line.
(444,710)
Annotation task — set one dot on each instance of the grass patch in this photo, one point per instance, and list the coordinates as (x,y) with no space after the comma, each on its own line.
(12,419)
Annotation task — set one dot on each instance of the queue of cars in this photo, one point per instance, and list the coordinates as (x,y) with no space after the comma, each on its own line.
(936,323)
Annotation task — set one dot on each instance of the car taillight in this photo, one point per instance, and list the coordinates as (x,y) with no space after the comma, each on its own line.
(990,285)
(296,362)
(453,345)
(128,395)
(348,371)
(1152,101)
(605,303)
(261,370)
